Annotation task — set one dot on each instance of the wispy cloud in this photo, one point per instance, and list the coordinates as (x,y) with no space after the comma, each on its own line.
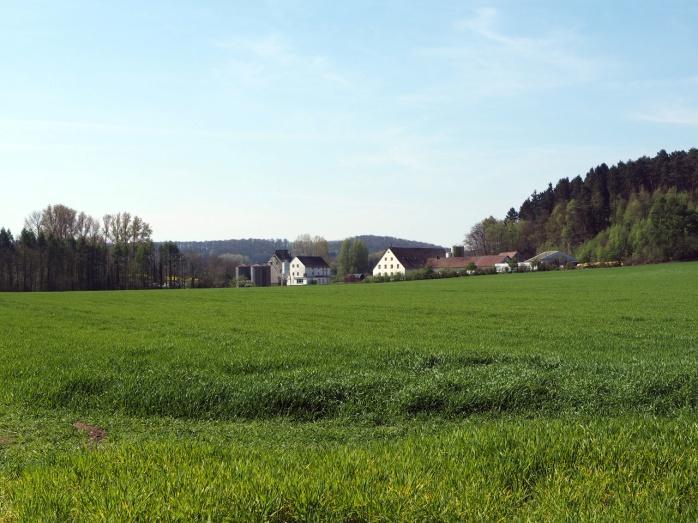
(487,61)
(672,115)
(272,61)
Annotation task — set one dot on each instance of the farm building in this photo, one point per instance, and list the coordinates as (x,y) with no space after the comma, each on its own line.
(280,263)
(461,263)
(548,258)
(399,260)
(309,270)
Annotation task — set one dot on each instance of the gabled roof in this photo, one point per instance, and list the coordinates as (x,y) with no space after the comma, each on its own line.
(282,254)
(415,257)
(313,261)
(511,254)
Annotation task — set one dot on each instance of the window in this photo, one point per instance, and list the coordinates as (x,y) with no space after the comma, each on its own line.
(397,265)
(391,266)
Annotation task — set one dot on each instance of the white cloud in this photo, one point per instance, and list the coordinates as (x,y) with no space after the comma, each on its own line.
(488,61)
(673,115)
(272,61)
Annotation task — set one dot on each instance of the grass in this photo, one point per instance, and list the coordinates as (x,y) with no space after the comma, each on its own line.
(534,396)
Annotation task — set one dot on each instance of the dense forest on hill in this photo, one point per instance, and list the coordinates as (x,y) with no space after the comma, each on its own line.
(258,250)
(638,211)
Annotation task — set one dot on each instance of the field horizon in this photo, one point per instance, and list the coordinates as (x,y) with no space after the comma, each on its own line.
(553,395)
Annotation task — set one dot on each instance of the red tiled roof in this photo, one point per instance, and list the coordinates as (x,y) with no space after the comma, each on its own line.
(490,260)
(458,262)
(454,262)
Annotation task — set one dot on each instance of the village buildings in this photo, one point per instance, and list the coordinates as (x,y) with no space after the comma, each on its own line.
(285,269)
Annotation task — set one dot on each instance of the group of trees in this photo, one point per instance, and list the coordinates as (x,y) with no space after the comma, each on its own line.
(61,249)
(640,211)
(307,245)
(352,257)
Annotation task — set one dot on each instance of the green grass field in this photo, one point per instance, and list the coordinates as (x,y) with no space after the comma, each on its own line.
(548,396)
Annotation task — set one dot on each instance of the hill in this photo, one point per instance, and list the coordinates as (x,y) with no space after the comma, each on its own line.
(644,210)
(259,250)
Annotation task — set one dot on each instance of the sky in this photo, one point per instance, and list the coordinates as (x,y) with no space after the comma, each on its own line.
(225,119)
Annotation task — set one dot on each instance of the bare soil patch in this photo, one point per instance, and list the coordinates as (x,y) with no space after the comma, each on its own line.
(94,433)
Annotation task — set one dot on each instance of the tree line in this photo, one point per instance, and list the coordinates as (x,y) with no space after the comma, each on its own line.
(62,249)
(640,211)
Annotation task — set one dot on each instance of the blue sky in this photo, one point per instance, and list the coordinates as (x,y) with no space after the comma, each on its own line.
(216,120)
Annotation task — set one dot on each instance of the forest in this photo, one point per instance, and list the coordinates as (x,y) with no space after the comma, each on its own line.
(640,211)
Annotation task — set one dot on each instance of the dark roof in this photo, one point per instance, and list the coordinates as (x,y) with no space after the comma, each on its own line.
(416,257)
(312,261)
(282,254)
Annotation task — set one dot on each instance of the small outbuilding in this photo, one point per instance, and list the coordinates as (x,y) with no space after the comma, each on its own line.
(548,259)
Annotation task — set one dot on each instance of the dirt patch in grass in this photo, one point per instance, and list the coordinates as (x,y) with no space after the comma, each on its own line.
(94,433)
(6,440)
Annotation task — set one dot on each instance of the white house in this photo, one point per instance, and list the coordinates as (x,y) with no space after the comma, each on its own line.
(399,260)
(309,270)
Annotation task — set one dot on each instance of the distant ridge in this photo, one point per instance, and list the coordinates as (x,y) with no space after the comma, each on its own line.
(258,250)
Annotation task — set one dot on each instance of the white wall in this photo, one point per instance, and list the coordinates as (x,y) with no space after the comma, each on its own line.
(302,275)
(388,265)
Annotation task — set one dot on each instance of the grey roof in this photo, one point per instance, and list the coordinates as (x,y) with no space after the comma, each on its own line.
(550,256)
(313,261)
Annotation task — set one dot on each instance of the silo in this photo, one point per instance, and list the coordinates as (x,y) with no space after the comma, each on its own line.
(261,275)
(243,272)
